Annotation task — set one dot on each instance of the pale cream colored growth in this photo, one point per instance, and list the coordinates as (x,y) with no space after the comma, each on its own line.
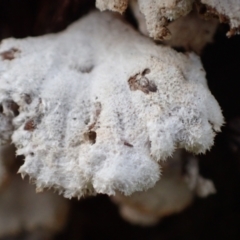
(158,14)
(228,11)
(21,209)
(113,5)
(98,111)
(170,195)
(190,32)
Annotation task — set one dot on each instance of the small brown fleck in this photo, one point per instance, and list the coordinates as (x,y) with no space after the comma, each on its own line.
(127,144)
(97,112)
(142,83)
(30,125)
(152,87)
(91,136)
(146,71)
(9,54)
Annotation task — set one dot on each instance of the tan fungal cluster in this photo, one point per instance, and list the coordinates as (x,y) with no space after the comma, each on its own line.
(114,5)
(157,14)
(191,32)
(98,107)
(154,16)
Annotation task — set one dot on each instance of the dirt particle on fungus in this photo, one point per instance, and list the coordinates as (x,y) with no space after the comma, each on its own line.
(146,71)
(82,69)
(141,82)
(9,54)
(96,112)
(127,144)
(30,125)
(91,136)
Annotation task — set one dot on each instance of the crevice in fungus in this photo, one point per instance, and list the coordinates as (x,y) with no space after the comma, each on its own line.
(13,107)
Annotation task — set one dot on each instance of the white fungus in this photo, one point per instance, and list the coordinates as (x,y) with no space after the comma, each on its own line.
(99,105)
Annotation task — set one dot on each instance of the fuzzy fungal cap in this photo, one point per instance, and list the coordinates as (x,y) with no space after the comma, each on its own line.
(99,105)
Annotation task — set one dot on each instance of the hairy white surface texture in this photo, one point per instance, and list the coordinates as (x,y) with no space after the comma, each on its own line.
(228,11)
(100,105)
(113,5)
(170,195)
(21,209)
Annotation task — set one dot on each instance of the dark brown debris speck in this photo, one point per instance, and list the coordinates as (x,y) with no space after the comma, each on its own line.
(30,125)
(9,54)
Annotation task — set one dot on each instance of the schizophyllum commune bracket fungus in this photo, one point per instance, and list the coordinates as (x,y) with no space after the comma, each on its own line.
(97,107)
